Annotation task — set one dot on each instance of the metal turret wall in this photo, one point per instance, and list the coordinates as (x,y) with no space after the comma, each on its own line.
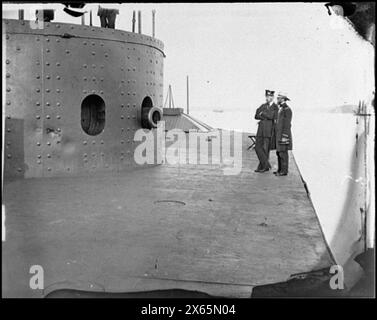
(74,97)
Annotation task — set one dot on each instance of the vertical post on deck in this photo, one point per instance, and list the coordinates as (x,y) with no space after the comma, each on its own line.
(153,22)
(169,96)
(139,22)
(21,14)
(188,98)
(83,19)
(90,18)
(133,21)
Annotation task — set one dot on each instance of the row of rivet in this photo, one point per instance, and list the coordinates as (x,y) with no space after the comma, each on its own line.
(133,35)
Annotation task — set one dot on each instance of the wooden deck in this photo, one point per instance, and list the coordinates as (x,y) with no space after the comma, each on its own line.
(163,227)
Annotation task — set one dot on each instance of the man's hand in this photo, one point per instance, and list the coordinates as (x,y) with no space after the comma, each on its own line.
(284,139)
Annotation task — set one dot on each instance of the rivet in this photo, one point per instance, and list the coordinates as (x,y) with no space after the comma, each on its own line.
(57,90)
(122,117)
(94,78)
(8,130)
(93,142)
(85,65)
(85,78)
(47,39)
(48,77)
(8,75)
(47,90)
(7,61)
(38,117)
(38,90)
(58,64)
(101,92)
(85,142)
(39,156)
(121,141)
(58,129)
(101,79)
(48,155)
(85,154)
(47,103)
(93,65)
(93,44)
(106,55)
(67,51)
(84,43)
(49,169)
(57,40)
(58,78)
(93,91)
(58,104)
(47,50)
(38,144)
(48,143)
(8,89)
(93,154)
(58,117)
(47,117)
(18,48)
(84,91)
(9,156)
(39,161)
(93,53)
(7,36)
(8,102)
(102,142)
(122,106)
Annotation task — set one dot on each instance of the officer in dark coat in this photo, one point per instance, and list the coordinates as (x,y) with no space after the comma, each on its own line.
(283,134)
(267,114)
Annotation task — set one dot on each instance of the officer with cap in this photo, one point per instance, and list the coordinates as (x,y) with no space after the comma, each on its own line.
(283,134)
(267,114)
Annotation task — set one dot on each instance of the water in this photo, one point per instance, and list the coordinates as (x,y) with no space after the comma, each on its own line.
(323,146)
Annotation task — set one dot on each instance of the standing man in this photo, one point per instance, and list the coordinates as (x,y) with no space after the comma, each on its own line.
(267,114)
(107,16)
(283,134)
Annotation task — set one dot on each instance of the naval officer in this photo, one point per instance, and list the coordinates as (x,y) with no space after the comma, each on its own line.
(267,114)
(283,134)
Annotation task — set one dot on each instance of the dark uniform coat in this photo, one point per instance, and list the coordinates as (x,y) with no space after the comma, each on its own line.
(266,126)
(283,127)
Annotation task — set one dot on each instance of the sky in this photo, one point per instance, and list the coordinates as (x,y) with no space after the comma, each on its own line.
(233,52)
